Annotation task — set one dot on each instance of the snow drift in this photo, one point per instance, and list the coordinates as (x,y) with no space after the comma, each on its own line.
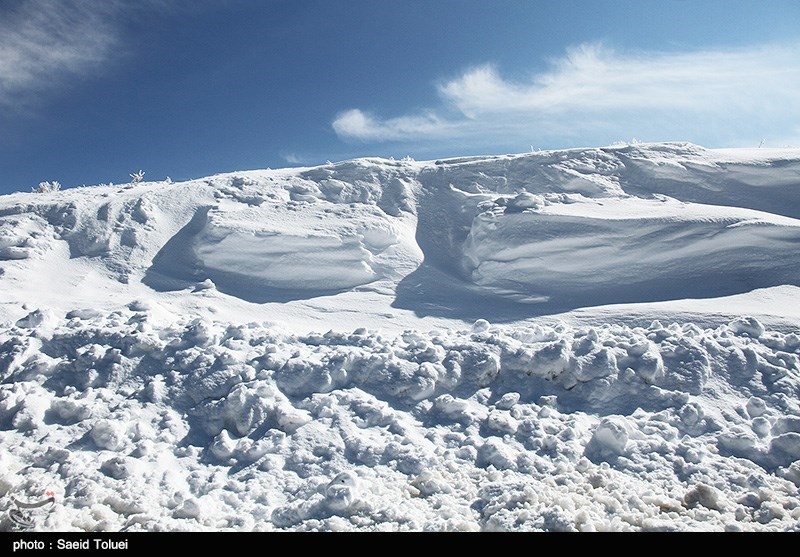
(593,339)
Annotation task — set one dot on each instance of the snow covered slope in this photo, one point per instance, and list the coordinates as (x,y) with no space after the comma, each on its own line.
(496,237)
(570,340)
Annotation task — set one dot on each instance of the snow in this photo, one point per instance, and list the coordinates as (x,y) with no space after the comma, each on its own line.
(600,339)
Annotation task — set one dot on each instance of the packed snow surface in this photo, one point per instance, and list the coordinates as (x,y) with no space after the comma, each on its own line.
(601,339)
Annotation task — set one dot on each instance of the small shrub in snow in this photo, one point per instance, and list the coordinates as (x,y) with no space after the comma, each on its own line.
(137,177)
(45,187)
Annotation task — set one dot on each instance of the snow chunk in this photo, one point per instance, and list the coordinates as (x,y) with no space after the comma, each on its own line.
(747,326)
(609,440)
(109,434)
(342,491)
(703,494)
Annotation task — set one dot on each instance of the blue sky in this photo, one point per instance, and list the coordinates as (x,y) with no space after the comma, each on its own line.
(93,90)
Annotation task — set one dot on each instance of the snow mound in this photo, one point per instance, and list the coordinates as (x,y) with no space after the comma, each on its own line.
(580,250)
(555,231)
(306,248)
(207,425)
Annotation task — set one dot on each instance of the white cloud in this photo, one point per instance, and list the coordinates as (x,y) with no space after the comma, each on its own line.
(593,88)
(46,42)
(362,125)
(49,40)
(292,158)
(593,78)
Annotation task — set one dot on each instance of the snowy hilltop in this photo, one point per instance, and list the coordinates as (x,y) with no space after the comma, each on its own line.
(579,340)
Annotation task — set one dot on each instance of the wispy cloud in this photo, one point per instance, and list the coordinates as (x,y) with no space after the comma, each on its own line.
(593,88)
(46,42)
(360,124)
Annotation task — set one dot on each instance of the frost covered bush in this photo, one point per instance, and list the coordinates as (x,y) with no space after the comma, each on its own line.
(46,187)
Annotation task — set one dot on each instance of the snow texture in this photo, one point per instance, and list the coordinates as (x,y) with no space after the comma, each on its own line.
(601,339)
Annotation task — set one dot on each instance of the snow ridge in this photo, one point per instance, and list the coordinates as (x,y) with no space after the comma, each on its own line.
(559,230)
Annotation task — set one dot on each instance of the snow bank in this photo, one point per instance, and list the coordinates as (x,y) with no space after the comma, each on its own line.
(213,426)
(292,246)
(561,230)
(578,250)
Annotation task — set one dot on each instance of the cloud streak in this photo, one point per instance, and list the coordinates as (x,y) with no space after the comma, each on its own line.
(594,89)
(45,43)
(360,124)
